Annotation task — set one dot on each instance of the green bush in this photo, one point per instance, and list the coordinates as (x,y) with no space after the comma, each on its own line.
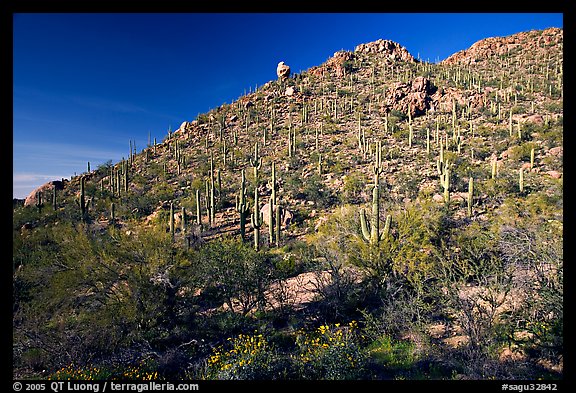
(238,274)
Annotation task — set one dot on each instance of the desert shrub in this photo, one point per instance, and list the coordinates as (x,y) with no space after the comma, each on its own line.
(521,152)
(310,189)
(353,185)
(391,356)
(331,352)
(236,272)
(243,357)
(535,249)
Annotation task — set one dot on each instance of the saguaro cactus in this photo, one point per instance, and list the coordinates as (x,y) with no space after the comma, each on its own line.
(371,231)
(277,209)
(242,206)
(183,222)
(171,219)
(39,203)
(82,202)
(271,220)
(256,221)
(256,162)
(470,195)
(54,198)
(198,208)
(445,182)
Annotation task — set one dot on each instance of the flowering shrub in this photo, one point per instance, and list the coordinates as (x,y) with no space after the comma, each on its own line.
(140,372)
(330,352)
(242,357)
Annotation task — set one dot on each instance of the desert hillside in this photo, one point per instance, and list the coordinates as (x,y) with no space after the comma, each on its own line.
(373,217)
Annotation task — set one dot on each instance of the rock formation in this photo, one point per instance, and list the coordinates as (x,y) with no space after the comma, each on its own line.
(391,49)
(283,71)
(46,191)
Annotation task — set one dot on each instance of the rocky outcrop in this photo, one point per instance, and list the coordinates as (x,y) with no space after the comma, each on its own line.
(338,65)
(392,50)
(421,95)
(530,41)
(416,96)
(46,191)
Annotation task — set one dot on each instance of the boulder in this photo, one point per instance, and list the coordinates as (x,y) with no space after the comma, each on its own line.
(46,191)
(183,126)
(557,151)
(438,198)
(554,174)
(283,71)
(286,216)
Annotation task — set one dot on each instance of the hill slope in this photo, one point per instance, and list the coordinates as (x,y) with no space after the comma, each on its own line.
(467,155)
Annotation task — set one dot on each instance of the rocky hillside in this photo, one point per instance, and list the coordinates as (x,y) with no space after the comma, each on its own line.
(532,44)
(372,147)
(338,111)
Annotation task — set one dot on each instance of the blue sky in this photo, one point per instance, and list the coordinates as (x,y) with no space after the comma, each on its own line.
(86,84)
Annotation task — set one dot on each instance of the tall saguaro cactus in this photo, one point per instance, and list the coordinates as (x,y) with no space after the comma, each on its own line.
(198,208)
(256,162)
(271,220)
(82,202)
(371,231)
(256,221)
(54,205)
(277,211)
(445,182)
(171,220)
(242,206)
(470,195)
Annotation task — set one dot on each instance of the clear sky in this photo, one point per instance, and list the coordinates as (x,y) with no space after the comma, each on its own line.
(86,84)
